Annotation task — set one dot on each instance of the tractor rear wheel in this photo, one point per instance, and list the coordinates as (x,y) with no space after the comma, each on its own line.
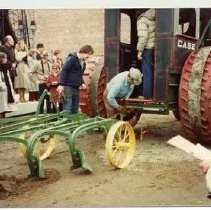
(91,97)
(195,96)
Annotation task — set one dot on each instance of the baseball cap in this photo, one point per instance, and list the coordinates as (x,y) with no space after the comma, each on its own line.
(136,75)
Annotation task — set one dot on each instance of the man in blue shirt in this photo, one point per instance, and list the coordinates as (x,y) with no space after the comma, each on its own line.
(121,86)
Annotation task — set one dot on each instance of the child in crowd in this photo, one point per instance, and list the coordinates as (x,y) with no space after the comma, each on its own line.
(52,83)
(7,94)
(57,57)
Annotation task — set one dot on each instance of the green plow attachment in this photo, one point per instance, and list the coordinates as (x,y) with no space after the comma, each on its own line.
(31,131)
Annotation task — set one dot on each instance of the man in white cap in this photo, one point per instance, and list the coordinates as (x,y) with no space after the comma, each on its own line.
(121,86)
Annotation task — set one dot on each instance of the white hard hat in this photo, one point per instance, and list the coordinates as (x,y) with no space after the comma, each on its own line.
(136,75)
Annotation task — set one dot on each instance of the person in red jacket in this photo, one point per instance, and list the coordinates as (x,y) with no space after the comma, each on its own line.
(52,83)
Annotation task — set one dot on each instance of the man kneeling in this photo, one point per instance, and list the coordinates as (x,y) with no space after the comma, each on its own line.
(121,87)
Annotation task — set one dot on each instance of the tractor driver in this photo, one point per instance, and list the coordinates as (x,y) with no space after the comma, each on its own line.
(121,86)
(145,48)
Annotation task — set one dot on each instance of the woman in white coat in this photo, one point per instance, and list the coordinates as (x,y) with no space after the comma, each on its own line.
(34,89)
(22,82)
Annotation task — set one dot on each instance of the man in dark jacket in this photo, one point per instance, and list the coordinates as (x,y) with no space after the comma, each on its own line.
(8,49)
(40,50)
(71,78)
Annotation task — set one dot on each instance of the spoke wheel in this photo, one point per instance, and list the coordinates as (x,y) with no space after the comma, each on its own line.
(43,147)
(120,144)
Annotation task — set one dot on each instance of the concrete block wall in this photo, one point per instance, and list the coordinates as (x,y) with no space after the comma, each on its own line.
(69,29)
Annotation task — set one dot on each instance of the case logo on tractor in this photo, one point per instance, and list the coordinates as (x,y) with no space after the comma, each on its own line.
(186,44)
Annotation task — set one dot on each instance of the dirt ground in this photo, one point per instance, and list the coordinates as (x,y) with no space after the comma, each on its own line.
(158,175)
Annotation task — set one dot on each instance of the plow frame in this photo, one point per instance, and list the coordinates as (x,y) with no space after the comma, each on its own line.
(60,124)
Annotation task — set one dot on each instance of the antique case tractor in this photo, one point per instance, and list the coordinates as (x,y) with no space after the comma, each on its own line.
(182,67)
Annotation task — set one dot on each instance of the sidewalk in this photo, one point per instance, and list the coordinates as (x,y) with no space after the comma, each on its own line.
(23,108)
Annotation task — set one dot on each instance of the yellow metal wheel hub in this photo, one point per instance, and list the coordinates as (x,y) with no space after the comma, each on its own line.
(42,149)
(120,144)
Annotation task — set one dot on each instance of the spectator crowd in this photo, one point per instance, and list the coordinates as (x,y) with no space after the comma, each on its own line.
(31,71)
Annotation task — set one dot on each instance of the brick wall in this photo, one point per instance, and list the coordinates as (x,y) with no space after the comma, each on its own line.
(69,29)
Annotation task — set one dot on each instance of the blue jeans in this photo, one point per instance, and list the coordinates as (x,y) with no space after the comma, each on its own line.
(71,101)
(147,70)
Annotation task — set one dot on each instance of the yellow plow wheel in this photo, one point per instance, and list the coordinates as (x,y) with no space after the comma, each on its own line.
(120,144)
(43,148)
